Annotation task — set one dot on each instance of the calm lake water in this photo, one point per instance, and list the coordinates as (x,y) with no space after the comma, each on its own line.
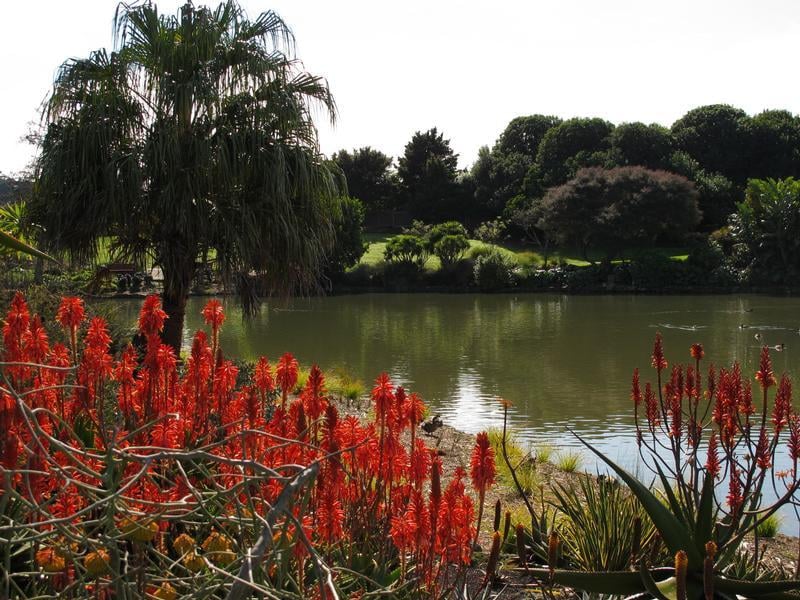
(563,361)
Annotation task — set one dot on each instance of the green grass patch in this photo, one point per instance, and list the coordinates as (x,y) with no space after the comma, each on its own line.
(569,462)
(525,255)
(769,527)
(519,458)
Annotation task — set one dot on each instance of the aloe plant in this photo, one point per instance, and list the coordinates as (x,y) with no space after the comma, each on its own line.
(704,535)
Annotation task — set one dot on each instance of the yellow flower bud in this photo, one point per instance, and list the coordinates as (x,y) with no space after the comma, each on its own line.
(97,563)
(183,544)
(50,560)
(138,530)
(164,592)
(193,562)
(218,549)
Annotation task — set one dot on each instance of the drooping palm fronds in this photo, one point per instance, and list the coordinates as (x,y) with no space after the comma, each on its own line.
(194,133)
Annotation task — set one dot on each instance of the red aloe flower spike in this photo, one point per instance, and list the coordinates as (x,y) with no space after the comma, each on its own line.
(151,317)
(676,412)
(313,393)
(36,342)
(331,427)
(712,460)
(651,408)
(262,377)
(692,391)
(763,458)
(734,497)
(636,392)
(397,415)
(697,351)
(382,396)
(765,376)
(712,380)
(214,316)
(794,439)
(482,470)
(783,404)
(659,362)
(70,315)
(286,375)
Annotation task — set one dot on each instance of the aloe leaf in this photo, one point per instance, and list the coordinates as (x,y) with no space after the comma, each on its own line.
(705,512)
(676,507)
(672,530)
(665,590)
(596,582)
(9,242)
(753,589)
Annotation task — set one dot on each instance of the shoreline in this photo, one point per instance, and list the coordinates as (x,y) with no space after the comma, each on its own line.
(448,290)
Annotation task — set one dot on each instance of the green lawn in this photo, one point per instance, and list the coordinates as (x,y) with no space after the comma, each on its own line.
(525,255)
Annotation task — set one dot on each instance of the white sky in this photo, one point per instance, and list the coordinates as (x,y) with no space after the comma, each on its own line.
(465,67)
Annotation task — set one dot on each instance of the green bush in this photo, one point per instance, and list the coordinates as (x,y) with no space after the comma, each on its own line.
(495,271)
(490,232)
(450,249)
(442,230)
(407,251)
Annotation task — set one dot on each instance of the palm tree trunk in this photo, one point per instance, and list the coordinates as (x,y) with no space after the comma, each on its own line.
(178,274)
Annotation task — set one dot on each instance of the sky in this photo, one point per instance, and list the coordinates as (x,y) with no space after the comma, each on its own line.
(464,67)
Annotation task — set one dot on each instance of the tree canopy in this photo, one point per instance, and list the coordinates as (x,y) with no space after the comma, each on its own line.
(195,132)
(427,172)
(369,176)
(718,137)
(617,208)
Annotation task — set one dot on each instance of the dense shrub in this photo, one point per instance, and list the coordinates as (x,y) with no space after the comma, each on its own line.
(767,225)
(495,270)
(441,230)
(406,250)
(450,248)
(490,232)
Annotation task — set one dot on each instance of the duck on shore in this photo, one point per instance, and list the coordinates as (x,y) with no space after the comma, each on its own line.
(432,424)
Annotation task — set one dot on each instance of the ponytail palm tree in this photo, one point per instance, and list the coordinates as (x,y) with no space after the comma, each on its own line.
(195,133)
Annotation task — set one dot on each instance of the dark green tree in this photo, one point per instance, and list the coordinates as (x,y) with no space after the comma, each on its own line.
(717,198)
(500,174)
(638,144)
(349,245)
(369,176)
(573,144)
(427,172)
(775,145)
(524,134)
(718,137)
(614,209)
(195,133)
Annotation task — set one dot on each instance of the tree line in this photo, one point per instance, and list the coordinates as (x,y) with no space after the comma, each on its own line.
(715,148)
